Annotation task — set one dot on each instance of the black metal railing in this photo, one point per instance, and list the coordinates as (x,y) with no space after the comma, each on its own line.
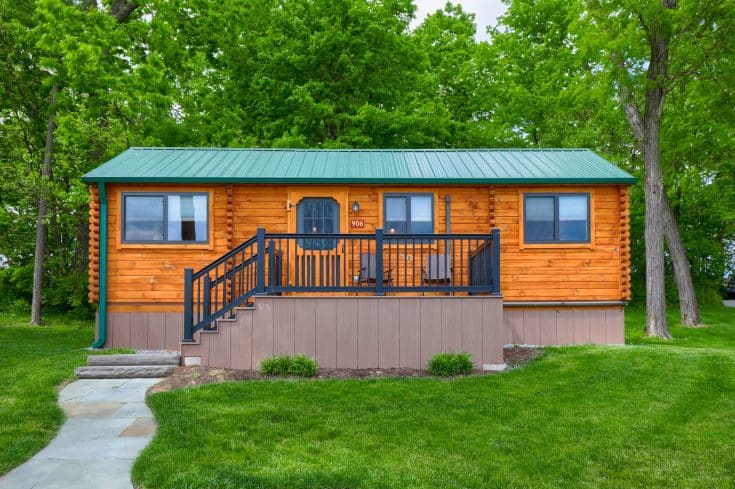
(376,264)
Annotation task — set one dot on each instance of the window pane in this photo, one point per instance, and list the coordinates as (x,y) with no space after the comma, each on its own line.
(573,219)
(540,209)
(317,216)
(393,227)
(539,219)
(422,227)
(573,231)
(572,208)
(143,218)
(395,209)
(200,217)
(187,218)
(421,208)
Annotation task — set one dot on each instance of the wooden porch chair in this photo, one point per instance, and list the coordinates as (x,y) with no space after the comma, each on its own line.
(438,270)
(368,271)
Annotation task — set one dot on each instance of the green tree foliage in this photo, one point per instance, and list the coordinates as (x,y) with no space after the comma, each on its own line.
(342,73)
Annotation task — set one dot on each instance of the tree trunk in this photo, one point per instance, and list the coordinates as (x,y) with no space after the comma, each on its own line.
(41,231)
(655,278)
(654,186)
(688,305)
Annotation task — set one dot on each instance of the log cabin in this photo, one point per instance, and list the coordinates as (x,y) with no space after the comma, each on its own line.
(359,258)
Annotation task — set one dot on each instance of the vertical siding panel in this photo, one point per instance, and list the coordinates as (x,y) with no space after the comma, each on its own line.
(305,327)
(157,330)
(262,330)
(615,321)
(388,332)
(532,326)
(139,329)
(284,323)
(565,327)
(514,326)
(219,346)
(597,326)
(367,333)
(409,334)
(548,326)
(326,333)
(581,322)
(472,329)
(241,341)
(451,318)
(174,330)
(493,331)
(431,328)
(204,339)
(346,334)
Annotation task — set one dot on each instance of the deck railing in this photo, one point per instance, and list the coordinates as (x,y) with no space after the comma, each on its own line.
(375,264)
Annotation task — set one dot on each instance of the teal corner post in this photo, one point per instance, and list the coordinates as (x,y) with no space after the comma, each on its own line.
(102,309)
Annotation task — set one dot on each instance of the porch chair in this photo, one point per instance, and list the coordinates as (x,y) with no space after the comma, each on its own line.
(368,271)
(438,270)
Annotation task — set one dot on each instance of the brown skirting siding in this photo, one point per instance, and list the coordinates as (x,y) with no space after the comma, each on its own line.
(145,330)
(357,332)
(368,331)
(574,325)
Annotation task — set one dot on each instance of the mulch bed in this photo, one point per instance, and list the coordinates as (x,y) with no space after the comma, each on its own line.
(190,376)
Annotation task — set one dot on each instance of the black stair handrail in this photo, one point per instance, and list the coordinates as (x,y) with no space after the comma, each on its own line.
(234,278)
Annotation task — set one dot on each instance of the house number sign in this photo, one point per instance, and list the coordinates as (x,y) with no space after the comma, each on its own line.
(357,223)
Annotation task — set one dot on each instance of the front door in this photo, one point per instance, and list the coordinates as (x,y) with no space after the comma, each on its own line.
(317,262)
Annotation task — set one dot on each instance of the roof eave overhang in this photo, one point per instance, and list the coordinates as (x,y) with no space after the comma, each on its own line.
(387,181)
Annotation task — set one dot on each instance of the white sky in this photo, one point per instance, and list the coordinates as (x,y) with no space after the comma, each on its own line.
(486,12)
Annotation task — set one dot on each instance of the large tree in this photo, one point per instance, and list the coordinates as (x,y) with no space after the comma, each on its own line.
(653,47)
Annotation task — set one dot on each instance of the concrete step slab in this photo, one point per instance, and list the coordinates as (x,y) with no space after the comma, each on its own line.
(124,371)
(135,359)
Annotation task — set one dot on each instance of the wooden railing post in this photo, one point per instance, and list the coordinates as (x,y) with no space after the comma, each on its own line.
(379,262)
(495,259)
(260,266)
(188,306)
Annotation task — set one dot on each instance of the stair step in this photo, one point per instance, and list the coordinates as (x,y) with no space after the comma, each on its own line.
(124,371)
(135,359)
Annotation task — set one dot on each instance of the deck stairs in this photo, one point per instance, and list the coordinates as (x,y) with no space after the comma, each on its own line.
(207,344)
(129,366)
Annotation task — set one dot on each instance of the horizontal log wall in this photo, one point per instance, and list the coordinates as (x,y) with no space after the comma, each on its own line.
(356,332)
(599,271)
(573,272)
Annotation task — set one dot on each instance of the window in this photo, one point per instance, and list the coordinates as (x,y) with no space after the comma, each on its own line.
(556,218)
(408,213)
(317,215)
(165,218)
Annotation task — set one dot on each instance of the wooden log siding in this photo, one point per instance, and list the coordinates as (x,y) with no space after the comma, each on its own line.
(584,272)
(153,274)
(94,244)
(624,243)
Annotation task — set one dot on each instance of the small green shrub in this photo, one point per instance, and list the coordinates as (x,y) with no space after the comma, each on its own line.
(445,364)
(299,365)
(304,366)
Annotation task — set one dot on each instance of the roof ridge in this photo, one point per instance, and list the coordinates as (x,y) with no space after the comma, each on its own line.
(357,150)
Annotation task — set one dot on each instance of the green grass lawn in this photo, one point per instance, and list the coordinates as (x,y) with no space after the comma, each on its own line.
(34,360)
(651,414)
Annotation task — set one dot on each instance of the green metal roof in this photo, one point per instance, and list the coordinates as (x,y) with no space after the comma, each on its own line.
(304,166)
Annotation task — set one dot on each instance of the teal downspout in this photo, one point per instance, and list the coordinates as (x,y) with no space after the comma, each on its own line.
(102,309)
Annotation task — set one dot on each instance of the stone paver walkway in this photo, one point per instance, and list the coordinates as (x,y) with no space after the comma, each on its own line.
(107,425)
